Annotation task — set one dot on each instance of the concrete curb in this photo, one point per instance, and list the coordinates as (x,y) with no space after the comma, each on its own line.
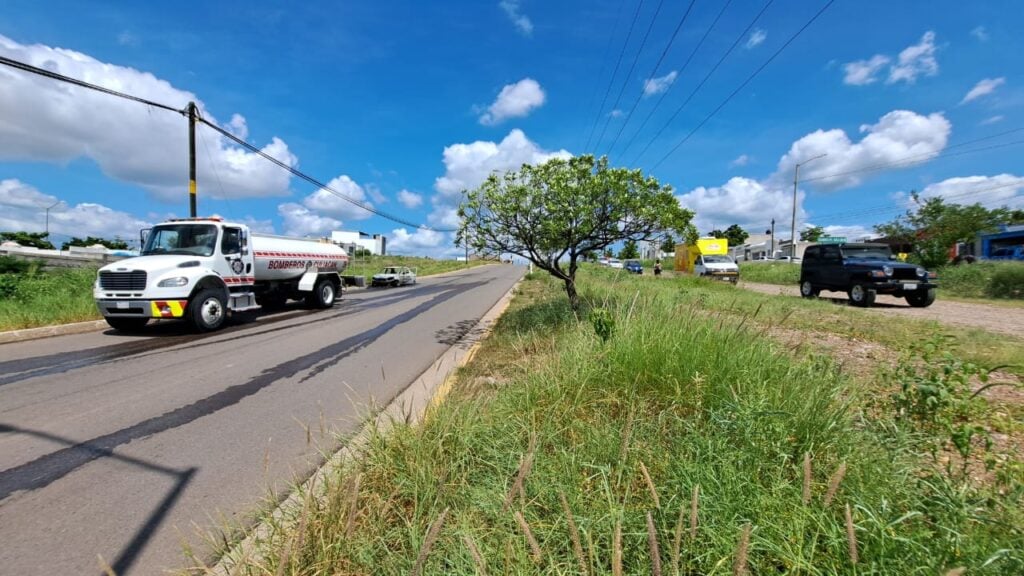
(410,405)
(50,331)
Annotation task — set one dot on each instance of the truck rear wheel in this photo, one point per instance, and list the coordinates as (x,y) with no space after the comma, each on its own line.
(808,290)
(324,294)
(127,324)
(921,298)
(207,311)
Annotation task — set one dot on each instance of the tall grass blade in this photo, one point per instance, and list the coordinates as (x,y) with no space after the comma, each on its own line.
(650,485)
(739,566)
(574,534)
(851,536)
(652,544)
(833,484)
(428,542)
(535,552)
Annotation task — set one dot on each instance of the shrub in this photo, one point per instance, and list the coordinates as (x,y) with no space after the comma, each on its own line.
(12,265)
(1007,282)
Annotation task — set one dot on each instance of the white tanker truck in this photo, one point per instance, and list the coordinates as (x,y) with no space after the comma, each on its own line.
(198,269)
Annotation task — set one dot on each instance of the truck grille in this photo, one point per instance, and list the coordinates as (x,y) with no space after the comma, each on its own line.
(134,280)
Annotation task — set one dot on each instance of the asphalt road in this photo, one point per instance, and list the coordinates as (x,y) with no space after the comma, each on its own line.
(127,447)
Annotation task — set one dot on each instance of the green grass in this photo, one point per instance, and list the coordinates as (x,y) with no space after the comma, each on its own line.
(368,266)
(46,298)
(687,386)
(770,272)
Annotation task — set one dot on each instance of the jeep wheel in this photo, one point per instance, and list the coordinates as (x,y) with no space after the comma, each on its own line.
(807,290)
(921,298)
(861,295)
(126,324)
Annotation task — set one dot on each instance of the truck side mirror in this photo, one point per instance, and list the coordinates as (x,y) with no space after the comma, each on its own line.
(143,236)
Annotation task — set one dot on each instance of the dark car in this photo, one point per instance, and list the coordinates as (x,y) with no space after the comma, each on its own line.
(862,271)
(634,267)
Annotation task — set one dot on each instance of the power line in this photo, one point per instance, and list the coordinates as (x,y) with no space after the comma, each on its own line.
(745,82)
(681,71)
(604,66)
(653,74)
(632,67)
(887,208)
(735,43)
(314,181)
(55,76)
(611,81)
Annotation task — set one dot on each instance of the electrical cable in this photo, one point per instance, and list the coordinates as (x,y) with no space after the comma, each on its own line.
(681,71)
(652,75)
(629,75)
(315,182)
(56,76)
(611,81)
(604,66)
(744,84)
(735,43)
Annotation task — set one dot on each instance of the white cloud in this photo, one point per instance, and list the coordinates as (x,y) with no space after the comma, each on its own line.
(744,201)
(375,193)
(992,120)
(325,201)
(57,123)
(980,33)
(421,241)
(741,160)
(654,86)
(756,38)
(915,61)
(897,135)
(992,191)
(514,101)
(983,88)
(468,165)
(409,199)
(853,232)
(126,38)
(519,20)
(616,113)
(301,221)
(862,72)
(23,207)
(238,126)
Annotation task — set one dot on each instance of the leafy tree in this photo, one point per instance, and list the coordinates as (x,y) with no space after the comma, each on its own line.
(629,250)
(668,244)
(554,213)
(1016,216)
(36,239)
(934,227)
(811,233)
(734,234)
(116,244)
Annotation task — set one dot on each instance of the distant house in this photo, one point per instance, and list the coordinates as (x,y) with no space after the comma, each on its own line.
(376,244)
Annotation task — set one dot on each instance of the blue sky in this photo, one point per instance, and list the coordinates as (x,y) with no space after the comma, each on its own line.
(403,104)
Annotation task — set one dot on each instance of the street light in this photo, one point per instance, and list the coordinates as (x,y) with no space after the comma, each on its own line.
(792,229)
(48,208)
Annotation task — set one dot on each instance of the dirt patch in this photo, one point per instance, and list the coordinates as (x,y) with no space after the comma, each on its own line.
(998,319)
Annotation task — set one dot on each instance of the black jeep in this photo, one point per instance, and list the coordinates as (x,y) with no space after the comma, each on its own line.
(862,271)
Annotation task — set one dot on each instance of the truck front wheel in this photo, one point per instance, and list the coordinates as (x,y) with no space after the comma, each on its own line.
(324,294)
(207,311)
(127,324)
(861,295)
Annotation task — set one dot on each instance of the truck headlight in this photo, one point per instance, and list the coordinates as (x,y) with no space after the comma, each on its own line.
(175,282)
(922,272)
(887,270)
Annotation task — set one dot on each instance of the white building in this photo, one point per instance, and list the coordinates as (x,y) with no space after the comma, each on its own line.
(351,241)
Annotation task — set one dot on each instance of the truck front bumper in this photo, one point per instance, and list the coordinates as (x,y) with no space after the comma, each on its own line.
(901,287)
(142,308)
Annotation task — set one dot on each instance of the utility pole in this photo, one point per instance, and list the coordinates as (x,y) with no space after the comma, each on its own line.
(792,229)
(48,208)
(192,159)
(771,251)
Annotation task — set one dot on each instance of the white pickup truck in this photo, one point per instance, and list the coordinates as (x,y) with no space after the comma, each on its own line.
(718,266)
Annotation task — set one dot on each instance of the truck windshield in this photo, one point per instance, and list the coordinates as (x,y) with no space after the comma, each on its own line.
(717,260)
(192,239)
(867,252)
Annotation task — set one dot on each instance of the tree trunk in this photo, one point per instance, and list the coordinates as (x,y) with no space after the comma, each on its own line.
(570,291)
